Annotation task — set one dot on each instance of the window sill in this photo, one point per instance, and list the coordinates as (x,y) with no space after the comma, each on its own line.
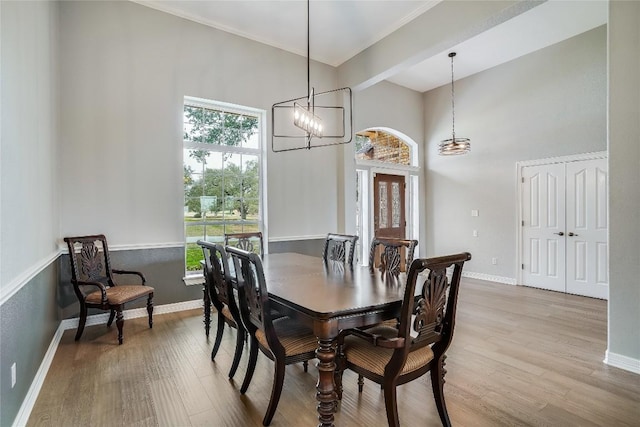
(193,280)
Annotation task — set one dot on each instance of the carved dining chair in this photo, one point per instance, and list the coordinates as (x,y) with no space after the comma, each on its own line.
(283,340)
(391,256)
(339,248)
(221,295)
(250,242)
(394,356)
(93,282)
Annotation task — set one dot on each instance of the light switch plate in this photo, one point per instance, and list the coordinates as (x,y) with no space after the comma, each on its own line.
(474,212)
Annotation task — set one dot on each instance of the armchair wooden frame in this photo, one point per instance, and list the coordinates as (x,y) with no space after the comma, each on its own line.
(394,356)
(93,283)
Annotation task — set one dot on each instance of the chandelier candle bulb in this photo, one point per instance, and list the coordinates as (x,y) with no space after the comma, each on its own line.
(307,121)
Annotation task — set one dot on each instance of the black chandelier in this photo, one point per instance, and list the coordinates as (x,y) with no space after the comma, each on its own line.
(318,119)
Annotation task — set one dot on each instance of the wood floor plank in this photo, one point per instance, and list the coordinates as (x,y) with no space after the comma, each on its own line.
(167,404)
(519,357)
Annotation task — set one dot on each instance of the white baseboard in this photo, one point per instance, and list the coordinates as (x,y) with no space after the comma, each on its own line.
(38,380)
(99,319)
(34,390)
(489,277)
(623,362)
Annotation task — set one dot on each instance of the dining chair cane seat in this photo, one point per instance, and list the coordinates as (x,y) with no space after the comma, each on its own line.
(120,294)
(227,315)
(375,359)
(294,337)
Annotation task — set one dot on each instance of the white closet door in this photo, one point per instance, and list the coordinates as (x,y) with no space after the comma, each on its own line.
(587,225)
(543,228)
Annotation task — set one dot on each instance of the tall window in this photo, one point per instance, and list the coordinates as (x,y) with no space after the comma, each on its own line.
(222,160)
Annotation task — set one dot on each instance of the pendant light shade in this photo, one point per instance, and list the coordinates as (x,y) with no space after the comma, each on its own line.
(453,146)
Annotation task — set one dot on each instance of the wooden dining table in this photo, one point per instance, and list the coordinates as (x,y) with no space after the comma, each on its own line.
(330,297)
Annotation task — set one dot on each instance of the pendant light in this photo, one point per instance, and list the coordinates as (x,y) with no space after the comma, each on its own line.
(307,115)
(453,146)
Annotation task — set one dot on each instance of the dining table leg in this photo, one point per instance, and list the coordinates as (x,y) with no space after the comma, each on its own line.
(325,390)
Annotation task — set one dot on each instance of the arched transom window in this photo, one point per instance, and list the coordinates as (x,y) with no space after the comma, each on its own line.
(383,147)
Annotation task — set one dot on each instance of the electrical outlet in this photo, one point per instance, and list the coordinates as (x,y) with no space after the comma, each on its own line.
(494,260)
(475,233)
(13,375)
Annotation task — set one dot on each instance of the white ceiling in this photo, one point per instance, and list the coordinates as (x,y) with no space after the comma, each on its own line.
(340,29)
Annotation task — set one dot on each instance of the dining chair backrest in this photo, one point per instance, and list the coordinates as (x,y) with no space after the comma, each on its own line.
(340,248)
(391,256)
(428,317)
(216,269)
(255,308)
(250,242)
(89,256)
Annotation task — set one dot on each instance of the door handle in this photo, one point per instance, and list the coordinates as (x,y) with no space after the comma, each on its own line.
(560,233)
(572,234)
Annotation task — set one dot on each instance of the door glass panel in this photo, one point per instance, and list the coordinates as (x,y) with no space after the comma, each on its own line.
(395,205)
(382,194)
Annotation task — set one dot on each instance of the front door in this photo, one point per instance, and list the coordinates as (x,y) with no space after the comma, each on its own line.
(388,210)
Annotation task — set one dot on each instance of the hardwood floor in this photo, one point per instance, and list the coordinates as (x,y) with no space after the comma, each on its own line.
(520,357)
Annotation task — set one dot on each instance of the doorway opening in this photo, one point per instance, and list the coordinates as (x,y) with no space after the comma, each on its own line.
(387,181)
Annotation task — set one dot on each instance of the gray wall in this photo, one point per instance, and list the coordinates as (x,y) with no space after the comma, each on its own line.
(546,104)
(125,69)
(28,143)
(311,247)
(624,184)
(29,204)
(28,322)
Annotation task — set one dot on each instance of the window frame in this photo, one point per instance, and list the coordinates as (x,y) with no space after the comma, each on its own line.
(195,276)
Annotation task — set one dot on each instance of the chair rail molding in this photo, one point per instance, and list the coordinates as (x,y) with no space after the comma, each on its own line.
(6,292)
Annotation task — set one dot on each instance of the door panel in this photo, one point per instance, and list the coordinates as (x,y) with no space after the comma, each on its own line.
(543,214)
(565,227)
(587,225)
(389,206)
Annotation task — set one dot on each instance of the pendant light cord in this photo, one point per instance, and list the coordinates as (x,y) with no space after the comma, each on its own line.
(453,106)
(308,58)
